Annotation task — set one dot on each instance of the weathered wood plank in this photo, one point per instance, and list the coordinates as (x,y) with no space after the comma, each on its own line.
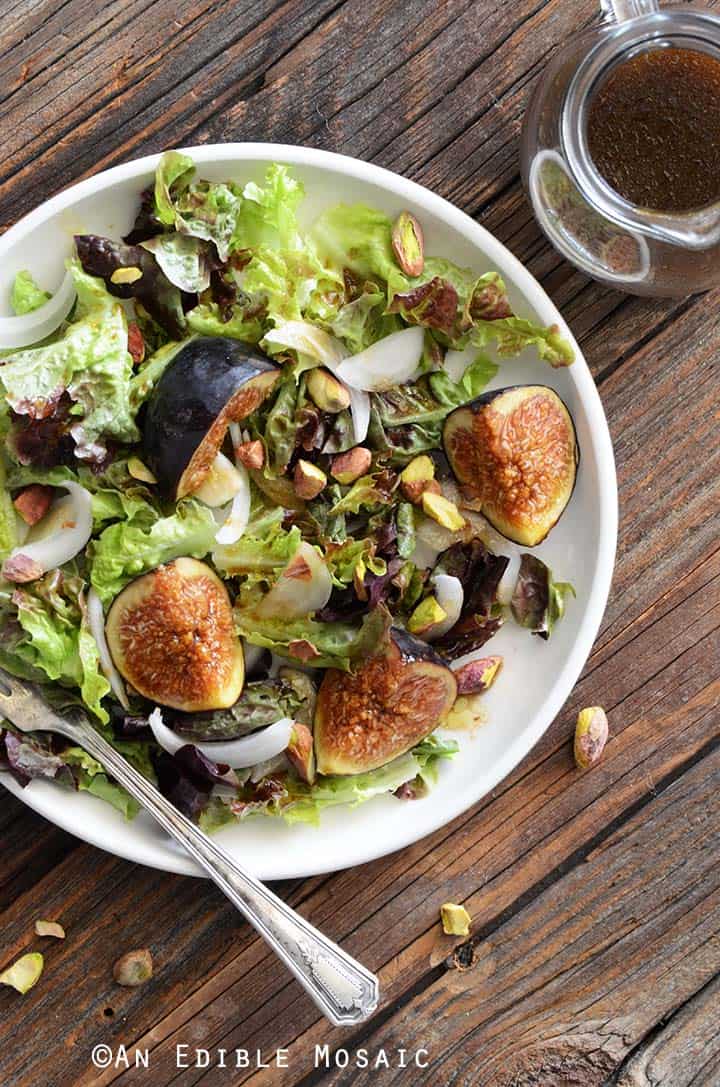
(685,1052)
(506,850)
(561,992)
(458,87)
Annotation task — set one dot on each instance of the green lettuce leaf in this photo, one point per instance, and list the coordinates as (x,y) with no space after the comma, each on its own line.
(296,802)
(206,319)
(511,335)
(91,777)
(25,295)
(434,396)
(89,360)
(56,638)
(337,645)
(357,237)
(8,521)
(127,549)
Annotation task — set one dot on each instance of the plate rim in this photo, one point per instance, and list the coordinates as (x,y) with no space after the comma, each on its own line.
(163,857)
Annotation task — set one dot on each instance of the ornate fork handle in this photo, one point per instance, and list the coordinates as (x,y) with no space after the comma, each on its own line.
(344,990)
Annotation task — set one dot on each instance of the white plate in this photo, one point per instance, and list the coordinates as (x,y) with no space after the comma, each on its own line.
(537,677)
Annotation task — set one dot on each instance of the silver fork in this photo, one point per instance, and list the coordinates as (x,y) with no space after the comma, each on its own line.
(343,990)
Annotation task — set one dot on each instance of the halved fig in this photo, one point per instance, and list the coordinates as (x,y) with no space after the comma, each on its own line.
(210,383)
(171,636)
(396,699)
(514,453)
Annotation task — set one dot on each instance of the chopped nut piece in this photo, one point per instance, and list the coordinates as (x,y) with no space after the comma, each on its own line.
(140,471)
(49,928)
(308,480)
(455,919)
(251,454)
(347,467)
(33,503)
(591,735)
(425,616)
(136,343)
(133,968)
(327,392)
(21,569)
(301,753)
(408,245)
(477,676)
(303,650)
(443,511)
(126,275)
(417,477)
(24,972)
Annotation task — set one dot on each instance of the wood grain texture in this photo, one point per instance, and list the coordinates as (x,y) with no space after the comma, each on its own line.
(594,896)
(684,1051)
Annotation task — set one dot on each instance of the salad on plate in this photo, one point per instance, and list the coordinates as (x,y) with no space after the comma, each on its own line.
(253,485)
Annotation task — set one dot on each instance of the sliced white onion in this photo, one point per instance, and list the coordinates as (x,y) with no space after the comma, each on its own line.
(221,484)
(28,328)
(457,362)
(308,340)
(448,592)
(360,412)
(246,751)
(63,531)
(96,619)
(391,361)
(237,519)
(303,587)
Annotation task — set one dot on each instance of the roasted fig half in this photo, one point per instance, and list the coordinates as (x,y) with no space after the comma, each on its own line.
(210,383)
(514,453)
(391,703)
(171,636)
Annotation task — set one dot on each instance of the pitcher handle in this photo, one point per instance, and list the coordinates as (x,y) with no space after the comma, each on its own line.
(621,10)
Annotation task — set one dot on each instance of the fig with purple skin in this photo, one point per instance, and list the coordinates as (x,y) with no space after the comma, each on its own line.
(171,636)
(210,383)
(392,702)
(514,453)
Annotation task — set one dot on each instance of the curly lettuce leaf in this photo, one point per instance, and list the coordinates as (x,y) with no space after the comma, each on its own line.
(90,777)
(511,335)
(431,398)
(89,361)
(357,237)
(297,802)
(56,639)
(479,571)
(538,602)
(323,645)
(8,521)
(25,295)
(127,549)
(183,260)
(208,319)
(131,271)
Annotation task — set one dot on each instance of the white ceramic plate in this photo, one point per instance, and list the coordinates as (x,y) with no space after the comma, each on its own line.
(537,677)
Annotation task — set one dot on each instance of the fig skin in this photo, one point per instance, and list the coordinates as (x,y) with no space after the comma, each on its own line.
(210,383)
(514,453)
(396,699)
(171,636)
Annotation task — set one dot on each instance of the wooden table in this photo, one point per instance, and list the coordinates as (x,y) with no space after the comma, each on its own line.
(595,950)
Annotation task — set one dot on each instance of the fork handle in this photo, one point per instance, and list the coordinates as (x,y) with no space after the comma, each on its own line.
(343,990)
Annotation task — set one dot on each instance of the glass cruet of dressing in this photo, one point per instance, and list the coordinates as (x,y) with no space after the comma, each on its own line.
(620,149)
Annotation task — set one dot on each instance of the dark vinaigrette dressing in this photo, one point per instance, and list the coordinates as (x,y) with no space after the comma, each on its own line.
(654,129)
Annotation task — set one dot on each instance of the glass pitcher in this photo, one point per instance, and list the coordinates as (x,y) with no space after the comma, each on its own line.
(632,248)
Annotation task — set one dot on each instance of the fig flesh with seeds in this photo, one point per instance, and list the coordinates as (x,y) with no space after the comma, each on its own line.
(394,700)
(514,453)
(171,636)
(210,383)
